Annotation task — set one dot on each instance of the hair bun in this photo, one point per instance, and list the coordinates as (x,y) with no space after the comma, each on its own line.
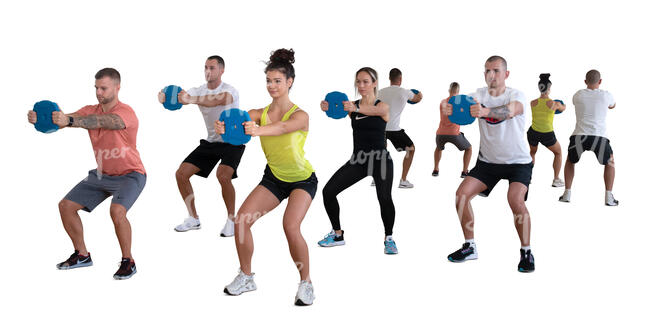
(544,76)
(283,55)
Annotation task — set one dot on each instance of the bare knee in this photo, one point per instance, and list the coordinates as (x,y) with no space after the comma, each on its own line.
(224,177)
(517,203)
(462,196)
(118,213)
(182,175)
(66,206)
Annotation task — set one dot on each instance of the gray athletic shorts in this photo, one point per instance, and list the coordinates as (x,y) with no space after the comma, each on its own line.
(458,140)
(93,190)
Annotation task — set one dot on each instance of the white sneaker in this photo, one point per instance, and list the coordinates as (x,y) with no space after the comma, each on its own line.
(566,197)
(242,283)
(557,183)
(405,184)
(189,224)
(305,295)
(610,200)
(228,229)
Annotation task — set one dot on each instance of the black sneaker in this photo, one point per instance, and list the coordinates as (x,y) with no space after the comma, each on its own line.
(526,262)
(463,174)
(127,269)
(467,252)
(75,261)
(435,173)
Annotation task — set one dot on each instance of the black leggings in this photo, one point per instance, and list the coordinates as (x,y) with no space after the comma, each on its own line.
(377,164)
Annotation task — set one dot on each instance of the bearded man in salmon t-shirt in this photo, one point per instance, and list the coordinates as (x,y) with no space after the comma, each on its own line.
(112,127)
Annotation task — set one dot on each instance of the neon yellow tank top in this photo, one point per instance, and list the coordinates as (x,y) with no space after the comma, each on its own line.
(284,153)
(542,116)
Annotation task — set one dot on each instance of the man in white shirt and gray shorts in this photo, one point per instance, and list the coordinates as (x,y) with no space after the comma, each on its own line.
(213,98)
(592,105)
(503,154)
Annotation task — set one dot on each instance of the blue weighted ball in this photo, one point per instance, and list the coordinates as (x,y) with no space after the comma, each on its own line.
(416,92)
(44,110)
(335,107)
(234,120)
(461,114)
(171,97)
(557,112)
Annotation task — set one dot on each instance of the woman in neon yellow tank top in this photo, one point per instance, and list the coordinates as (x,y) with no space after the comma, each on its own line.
(541,131)
(282,128)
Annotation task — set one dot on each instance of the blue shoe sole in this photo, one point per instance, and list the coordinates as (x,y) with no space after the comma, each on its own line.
(86,264)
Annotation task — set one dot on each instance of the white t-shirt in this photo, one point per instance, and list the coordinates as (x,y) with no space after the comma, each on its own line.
(396,98)
(210,114)
(503,142)
(591,111)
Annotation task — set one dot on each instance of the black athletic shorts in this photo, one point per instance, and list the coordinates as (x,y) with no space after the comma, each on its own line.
(490,174)
(598,144)
(546,139)
(208,154)
(282,189)
(399,139)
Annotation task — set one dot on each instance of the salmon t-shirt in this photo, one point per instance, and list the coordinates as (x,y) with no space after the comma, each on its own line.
(115,150)
(447,127)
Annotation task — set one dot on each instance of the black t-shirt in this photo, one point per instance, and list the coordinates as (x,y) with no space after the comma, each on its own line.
(368,132)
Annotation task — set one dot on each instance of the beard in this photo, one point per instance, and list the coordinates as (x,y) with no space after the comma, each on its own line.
(106,100)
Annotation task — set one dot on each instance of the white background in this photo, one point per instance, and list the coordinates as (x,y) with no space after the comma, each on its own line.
(591,259)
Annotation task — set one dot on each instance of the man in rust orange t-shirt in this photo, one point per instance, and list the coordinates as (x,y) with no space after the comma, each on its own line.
(112,127)
(450,132)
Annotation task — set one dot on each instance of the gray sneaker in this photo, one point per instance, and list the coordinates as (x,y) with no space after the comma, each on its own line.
(242,283)
(305,295)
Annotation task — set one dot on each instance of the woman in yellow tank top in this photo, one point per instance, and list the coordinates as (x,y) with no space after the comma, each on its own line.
(541,130)
(282,128)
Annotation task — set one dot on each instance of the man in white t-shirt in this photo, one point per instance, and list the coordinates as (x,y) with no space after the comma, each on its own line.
(503,154)
(396,97)
(212,98)
(592,105)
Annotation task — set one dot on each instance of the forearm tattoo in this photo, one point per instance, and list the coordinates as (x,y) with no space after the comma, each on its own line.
(111,121)
(500,113)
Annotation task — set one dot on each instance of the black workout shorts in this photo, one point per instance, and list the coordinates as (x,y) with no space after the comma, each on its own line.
(208,154)
(598,144)
(282,189)
(546,139)
(399,139)
(490,174)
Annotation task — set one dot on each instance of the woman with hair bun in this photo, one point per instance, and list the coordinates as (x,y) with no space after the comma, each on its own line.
(369,158)
(541,130)
(282,127)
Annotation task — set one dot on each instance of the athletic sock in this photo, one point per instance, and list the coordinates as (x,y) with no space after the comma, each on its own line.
(470,241)
(389,238)
(526,248)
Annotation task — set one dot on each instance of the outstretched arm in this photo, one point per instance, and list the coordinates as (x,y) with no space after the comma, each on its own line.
(503,112)
(210,100)
(298,120)
(108,121)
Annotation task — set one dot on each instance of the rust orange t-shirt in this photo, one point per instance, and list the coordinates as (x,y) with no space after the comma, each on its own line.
(115,150)
(446,127)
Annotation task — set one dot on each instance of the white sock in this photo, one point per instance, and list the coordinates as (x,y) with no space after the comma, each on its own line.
(609,194)
(389,238)
(470,241)
(526,248)
(567,193)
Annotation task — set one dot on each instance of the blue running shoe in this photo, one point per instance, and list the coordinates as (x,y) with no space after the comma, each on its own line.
(390,247)
(332,239)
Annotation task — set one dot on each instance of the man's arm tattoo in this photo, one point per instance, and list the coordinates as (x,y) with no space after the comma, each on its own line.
(110,121)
